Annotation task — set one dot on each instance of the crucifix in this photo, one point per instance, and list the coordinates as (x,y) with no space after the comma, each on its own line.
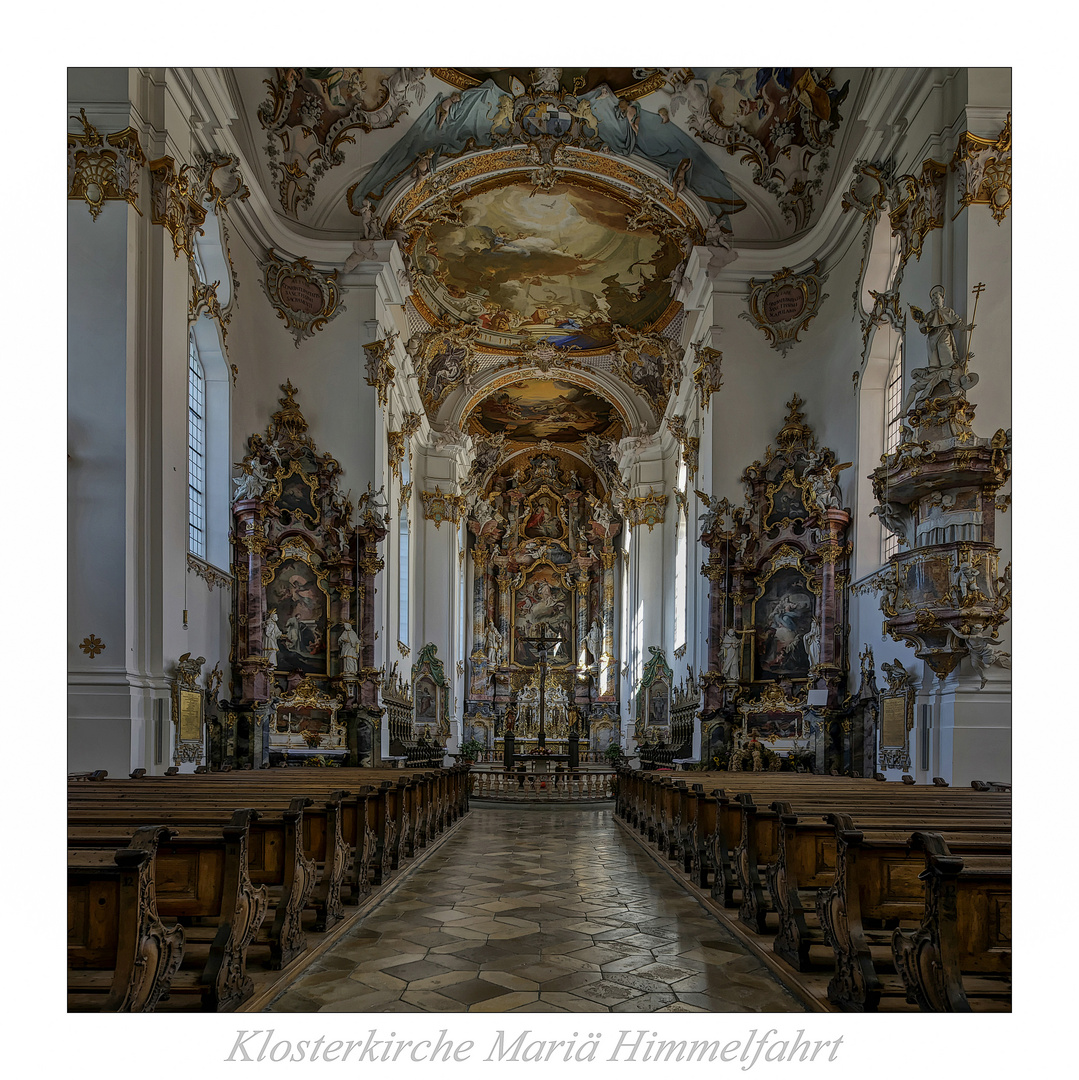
(543,644)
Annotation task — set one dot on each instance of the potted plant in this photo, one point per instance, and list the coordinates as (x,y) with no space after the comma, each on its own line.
(613,754)
(471,750)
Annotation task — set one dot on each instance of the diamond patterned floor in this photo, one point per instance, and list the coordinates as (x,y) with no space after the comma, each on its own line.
(537,909)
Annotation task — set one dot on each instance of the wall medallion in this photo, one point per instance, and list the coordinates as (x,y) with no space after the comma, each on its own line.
(304,298)
(785,305)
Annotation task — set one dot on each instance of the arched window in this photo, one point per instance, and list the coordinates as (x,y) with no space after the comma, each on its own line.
(880,388)
(402,557)
(893,427)
(196,453)
(681,555)
(208,408)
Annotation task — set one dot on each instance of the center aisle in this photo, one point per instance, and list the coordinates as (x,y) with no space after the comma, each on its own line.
(537,909)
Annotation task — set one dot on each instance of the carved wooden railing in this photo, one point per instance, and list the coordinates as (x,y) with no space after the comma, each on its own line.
(557,786)
(495,755)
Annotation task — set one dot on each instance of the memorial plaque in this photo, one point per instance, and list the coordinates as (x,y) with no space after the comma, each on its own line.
(190,716)
(893,721)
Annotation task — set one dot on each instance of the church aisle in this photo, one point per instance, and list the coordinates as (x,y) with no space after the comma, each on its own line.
(537,909)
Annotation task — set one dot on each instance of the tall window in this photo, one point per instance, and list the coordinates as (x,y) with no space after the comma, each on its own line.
(893,426)
(402,559)
(196,454)
(680,568)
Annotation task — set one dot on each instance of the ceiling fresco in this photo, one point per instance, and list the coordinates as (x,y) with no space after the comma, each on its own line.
(719,132)
(545,216)
(559,266)
(550,409)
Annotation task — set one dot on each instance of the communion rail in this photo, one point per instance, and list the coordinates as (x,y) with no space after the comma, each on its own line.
(561,785)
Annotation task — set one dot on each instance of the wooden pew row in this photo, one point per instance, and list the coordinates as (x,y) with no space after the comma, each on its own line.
(304,830)
(962,948)
(878,887)
(403,806)
(200,879)
(121,956)
(346,829)
(686,823)
(759,843)
(749,841)
(276,856)
(800,856)
(419,806)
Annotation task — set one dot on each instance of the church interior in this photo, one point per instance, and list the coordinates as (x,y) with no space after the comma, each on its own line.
(463,457)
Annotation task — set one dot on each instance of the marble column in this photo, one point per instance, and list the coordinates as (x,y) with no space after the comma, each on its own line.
(608,664)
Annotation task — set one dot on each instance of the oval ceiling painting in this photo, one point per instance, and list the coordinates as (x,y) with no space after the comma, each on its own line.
(560,266)
(548,409)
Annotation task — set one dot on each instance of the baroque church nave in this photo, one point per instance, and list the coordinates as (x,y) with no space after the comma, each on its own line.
(526,432)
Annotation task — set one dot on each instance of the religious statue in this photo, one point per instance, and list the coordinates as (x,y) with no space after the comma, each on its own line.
(811,642)
(594,640)
(732,655)
(271,632)
(946,359)
(756,756)
(510,721)
(348,645)
(370,226)
(896,519)
(940,325)
(494,645)
(978,640)
(868,687)
(253,481)
(965,582)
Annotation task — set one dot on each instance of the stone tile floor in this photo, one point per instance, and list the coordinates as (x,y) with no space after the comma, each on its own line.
(537,909)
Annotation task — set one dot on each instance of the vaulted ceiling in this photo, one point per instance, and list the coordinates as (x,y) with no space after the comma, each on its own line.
(546,215)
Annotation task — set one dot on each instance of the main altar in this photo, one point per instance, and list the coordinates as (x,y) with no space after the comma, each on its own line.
(543,651)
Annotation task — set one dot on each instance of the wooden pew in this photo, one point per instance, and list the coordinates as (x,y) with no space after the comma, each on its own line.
(760,837)
(805,857)
(201,879)
(121,957)
(877,884)
(962,949)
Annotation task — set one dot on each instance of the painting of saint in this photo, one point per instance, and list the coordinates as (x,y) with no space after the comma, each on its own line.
(426,703)
(300,604)
(543,518)
(782,618)
(658,705)
(543,601)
